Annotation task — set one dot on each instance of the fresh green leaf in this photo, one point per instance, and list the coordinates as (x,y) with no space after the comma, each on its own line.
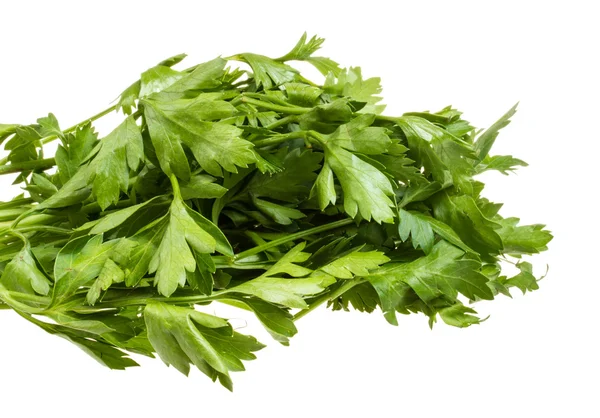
(182,234)
(268,73)
(77,146)
(356,263)
(286,292)
(463,215)
(366,189)
(486,140)
(459,315)
(110,273)
(183,336)
(111,161)
(22,274)
(525,239)
(278,322)
(525,280)
(441,273)
(214,144)
(291,183)
(501,163)
(418,229)
(78,263)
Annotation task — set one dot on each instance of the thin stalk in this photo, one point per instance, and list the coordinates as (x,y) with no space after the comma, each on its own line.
(27,165)
(175,186)
(38,219)
(9,214)
(51,138)
(270,99)
(45,228)
(393,119)
(277,108)
(431,117)
(292,237)
(329,296)
(95,207)
(25,297)
(16,203)
(123,302)
(7,297)
(278,139)
(248,266)
(91,119)
(282,121)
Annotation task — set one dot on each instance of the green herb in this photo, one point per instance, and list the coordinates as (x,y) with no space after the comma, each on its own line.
(256,188)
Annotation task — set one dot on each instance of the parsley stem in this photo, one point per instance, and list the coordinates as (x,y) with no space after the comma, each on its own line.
(277,139)
(140,301)
(16,203)
(45,228)
(38,219)
(27,165)
(347,285)
(277,108)
(51,138)
(282,121)
(25,297)
(94,207)
(293,237)
(270,99)
(90,119)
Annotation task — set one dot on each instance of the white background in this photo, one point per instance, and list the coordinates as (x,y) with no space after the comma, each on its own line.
(536,356)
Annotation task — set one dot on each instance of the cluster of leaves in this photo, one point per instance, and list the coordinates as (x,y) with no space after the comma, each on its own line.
(260,189)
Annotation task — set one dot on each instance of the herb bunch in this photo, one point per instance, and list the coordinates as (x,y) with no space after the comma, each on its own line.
(255,188)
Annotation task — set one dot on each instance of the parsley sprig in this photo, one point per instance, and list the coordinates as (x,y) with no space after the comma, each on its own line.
(254,187)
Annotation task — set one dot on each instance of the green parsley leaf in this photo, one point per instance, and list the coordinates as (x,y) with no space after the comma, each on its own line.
(486,140)
(112,159)
(214,144)
(356,263)
(192,337)
(22,274)
(419,229)
(525,239)
(441,273)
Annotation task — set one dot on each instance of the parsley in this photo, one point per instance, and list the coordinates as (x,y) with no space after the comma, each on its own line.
(257,188)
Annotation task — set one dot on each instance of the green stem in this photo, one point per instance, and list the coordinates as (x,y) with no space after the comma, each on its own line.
(25,297)
(8,297)
(278,139)
(95,207)
(247,266)
(329,296)
(293,237)
(74,127)
(16,203)
(45,228)
(27,165)
(123,302)
(282,121)
(175,186)
(277,108)
(10,214)
(383,118)
(39,219)
(51,138)
(431,117)
(270,99)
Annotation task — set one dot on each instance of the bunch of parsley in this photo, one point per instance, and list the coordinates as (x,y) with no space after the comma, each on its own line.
(259,189)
